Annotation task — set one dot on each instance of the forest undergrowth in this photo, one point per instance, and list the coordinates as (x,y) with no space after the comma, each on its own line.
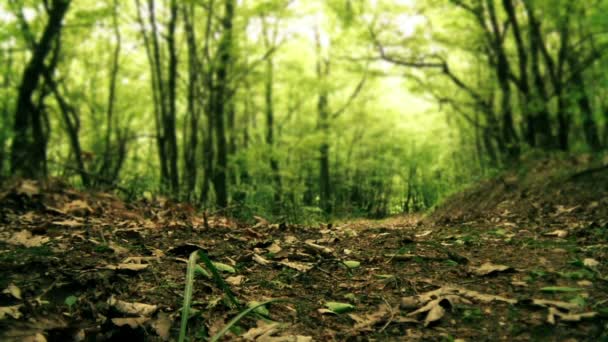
(520,257)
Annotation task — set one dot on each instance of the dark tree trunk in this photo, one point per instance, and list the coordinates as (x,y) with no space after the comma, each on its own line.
(590,127)
(26,157)
(269,101)
(522,82)
(193,115)
(171,114)
(219,101)
(106,168)
(509,136)
(323,127)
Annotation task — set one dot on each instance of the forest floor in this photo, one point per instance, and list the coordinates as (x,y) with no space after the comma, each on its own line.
(511,259)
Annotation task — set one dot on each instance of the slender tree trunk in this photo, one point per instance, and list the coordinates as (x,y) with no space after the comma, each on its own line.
(171,114)
(590,127)
(193,115)
(107,154)
(25,157)
(509,136)
(225,60)
(268,97)
(323,127)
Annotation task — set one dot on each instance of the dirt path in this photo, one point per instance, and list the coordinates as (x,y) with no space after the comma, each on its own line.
(79,266)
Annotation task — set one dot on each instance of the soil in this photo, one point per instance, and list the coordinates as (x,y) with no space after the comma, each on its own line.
(516,258)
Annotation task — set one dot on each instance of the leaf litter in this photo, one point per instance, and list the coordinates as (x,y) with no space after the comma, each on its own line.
(124,263)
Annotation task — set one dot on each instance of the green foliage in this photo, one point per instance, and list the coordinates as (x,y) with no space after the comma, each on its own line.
(409,138)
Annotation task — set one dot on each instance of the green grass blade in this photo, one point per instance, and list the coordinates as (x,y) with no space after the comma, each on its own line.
(240,316)
(218,279)
(192,263)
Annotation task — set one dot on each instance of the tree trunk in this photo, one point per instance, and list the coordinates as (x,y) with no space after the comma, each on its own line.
(171,114)
(502,68)
(106,165)
(26,159)
(590,127)
(269,101)
(225,60)
(193,114)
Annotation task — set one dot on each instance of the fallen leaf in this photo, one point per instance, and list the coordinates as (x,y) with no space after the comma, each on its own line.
(261,260)
(12,311)
(338,307)
(368,321)
(489,268)
(352,263)
(545,303)
(117,248)
(299,266)
(318,248)
(127,267)
(584,283)
(162,326)
(235,280)
(69,223)
(25,238)
(558,233)
(261,329)
(290,239)
(77,208)
(435,314)
(13,291)
(274,248)
(136,309)
(224,267)
(132,322)
(425,233)
(590,262)
(568,317)
(29,188)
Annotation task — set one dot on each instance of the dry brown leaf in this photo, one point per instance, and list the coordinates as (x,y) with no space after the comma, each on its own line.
(590,262)
(29,188)
(13,291)
(489,268)
(545,303)
(69,223)
(127,267)
(367,321)
(290,239)
(262,328)
(138,309)
(12,311)
(436,313)
(261,260)
(262,222)
(132,322)
(118,249)
(235,280)
(568,317)
(162,326)
(274,248)
(318,248)
(77,208)
(299,266)
(25,238)
(560,233)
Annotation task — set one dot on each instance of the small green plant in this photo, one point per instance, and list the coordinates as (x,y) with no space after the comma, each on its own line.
(193,269)
(70,301)
(103,248)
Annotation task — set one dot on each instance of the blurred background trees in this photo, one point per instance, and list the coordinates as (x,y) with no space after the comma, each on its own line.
(298,109)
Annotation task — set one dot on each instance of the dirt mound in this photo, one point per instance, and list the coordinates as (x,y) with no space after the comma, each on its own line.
(553,189)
